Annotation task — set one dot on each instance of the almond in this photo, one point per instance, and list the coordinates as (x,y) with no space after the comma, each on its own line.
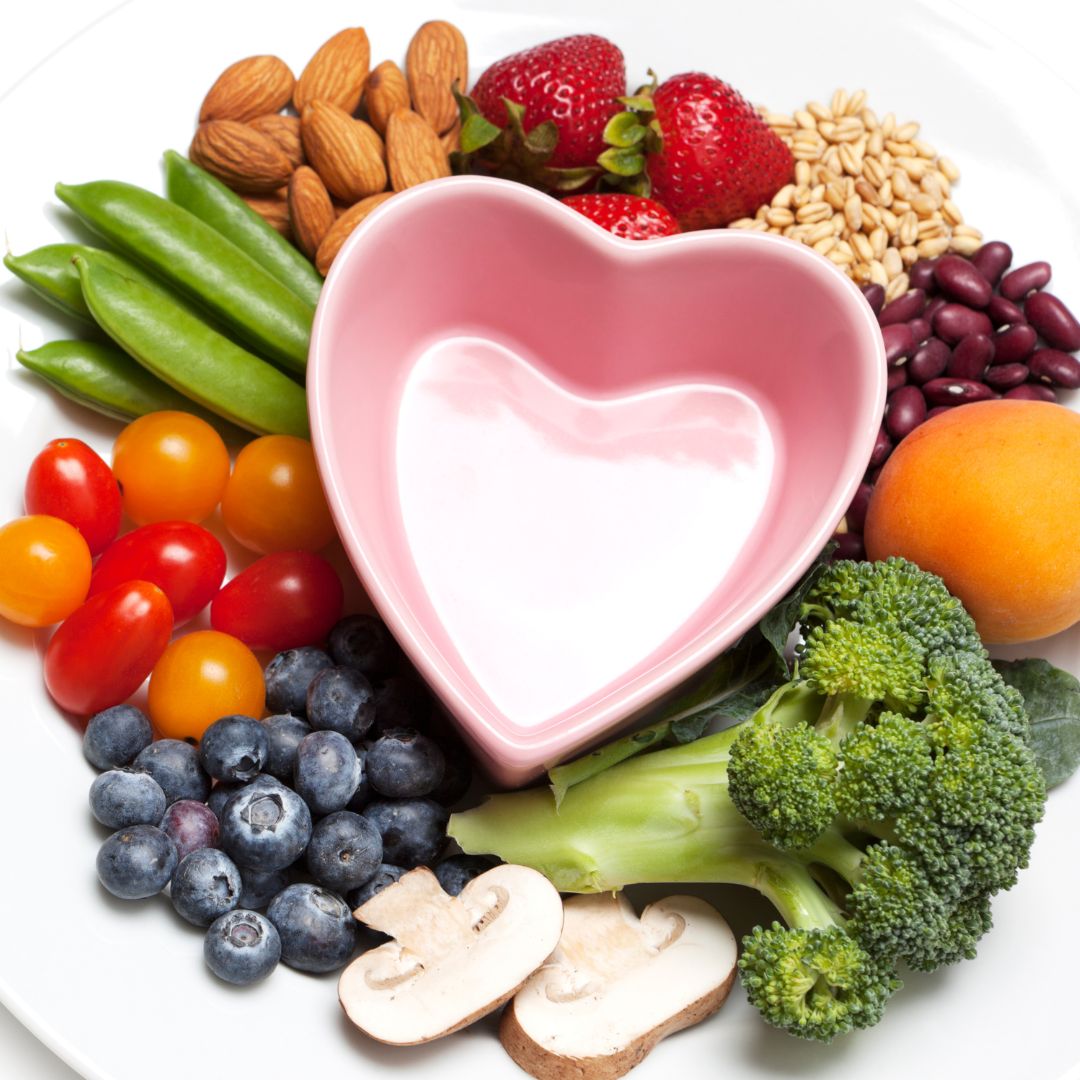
(346,153)
(273,209)
(336,72)
(310,210)
(437,58)
(343,227)
(451,140)
(240,157)
(413,151)
(285,131)
(249,88)
(385,91)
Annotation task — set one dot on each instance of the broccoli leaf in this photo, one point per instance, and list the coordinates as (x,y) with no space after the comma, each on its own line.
(777,625)
(1052,701)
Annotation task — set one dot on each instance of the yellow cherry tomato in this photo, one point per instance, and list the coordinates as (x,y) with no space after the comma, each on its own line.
(45,569)
(200,678)
(171,466)
(274,499)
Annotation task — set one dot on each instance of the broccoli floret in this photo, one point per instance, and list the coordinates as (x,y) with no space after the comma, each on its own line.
(879,799)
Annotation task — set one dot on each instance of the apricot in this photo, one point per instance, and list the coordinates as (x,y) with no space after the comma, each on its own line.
(987,496)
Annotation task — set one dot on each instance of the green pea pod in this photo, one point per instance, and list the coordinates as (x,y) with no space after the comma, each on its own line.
(199,262)
(211,201)
(107,380)
(191,357)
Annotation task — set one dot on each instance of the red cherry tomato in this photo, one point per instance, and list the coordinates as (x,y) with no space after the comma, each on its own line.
(100,655)
(69,481)
(281,601)
(183,559)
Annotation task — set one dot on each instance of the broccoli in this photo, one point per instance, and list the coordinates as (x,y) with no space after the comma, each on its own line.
(878,799)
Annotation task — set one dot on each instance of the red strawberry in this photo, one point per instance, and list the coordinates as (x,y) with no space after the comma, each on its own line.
(633,217)
(573,81)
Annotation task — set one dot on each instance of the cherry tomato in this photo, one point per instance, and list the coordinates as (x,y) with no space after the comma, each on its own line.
(281,601)
(44,570)
(171,466)
(181,558)
(100,655)
(70,481)
(274,499)
(202,677)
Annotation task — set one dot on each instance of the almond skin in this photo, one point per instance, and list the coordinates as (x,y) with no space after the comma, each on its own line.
(385,91)
(336,73)
(273,209)
(346,153)
(249,88)
(240,157)
(311,211)
(341,229)
(451,140)
(285,131)
(437,58)
(413,151)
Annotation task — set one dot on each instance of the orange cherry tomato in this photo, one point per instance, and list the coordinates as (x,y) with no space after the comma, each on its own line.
(274,499)
(171,466)
(45,569)
(200,678)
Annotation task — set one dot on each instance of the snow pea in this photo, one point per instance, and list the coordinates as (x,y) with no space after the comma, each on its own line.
(192,357)
(211,201)
(201,263)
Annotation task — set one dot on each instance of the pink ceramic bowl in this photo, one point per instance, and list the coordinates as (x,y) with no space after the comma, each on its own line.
(571,469)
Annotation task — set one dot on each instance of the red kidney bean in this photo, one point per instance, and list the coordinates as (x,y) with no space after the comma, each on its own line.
(1017,283)
(962,281)
(875,296)
(928,361)
(1056,368)
(904,308)
(955,321)
(905,412)
(937,410)
(849,545)
(1013,344)
(1030,391)
(897,377)
(1053,320)
(933,307)
(920,330)
(1004,312)
(956,391)
(1005,376)
(899,342)
(856,512)
(882,448)
(992,260)
(921,275)
(971,357)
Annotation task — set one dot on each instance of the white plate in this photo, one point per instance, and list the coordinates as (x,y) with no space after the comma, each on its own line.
(119,990)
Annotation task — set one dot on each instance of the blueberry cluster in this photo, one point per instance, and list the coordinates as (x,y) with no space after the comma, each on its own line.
(303,815)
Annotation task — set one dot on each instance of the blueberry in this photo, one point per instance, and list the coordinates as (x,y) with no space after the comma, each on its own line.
(175,766)
(205,885)
(261,886)
(113,737)
(242,947)
(363,642)
(265,826)
(222,792)
(401,702)
(413,830)
(345,851)
(457,871)
(289,675)
(404,764)
(318,931)
(457,776)
(327,771)
(284,733)
(120,797)
(234,748)
(385,875)
(190,825)
(136,863)
(341,699)
(362,794)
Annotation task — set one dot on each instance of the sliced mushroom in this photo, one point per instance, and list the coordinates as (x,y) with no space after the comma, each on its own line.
(453,959)
(616,985)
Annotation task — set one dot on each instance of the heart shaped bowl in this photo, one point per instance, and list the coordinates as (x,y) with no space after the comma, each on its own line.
(570,469)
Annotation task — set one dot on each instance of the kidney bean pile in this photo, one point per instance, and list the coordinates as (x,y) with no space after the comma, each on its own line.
(969,329)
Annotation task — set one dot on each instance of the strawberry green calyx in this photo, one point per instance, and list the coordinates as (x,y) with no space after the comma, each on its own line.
(630,137)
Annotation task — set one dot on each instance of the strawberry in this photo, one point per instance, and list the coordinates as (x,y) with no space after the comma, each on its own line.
(633,217)
(707,154)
